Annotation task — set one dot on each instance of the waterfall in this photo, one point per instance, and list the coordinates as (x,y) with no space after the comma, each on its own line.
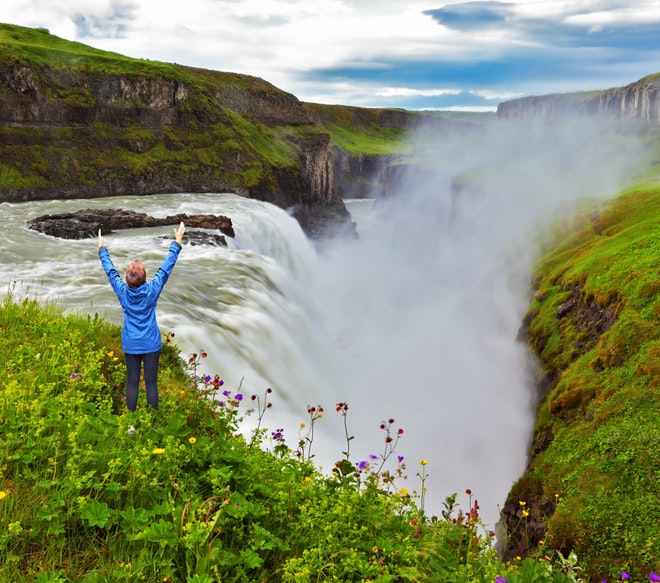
(416,320)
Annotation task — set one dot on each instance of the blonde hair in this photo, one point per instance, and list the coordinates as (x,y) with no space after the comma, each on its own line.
(136,275)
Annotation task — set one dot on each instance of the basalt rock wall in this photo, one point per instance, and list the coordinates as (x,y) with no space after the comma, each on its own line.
(638,101)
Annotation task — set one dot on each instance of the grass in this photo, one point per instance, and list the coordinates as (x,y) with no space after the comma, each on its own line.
(603,457)
(188,498)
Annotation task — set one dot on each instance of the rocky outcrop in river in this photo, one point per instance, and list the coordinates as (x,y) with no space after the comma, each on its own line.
(87,223)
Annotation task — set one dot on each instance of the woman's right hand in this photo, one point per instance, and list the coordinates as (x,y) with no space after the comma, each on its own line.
(178,235)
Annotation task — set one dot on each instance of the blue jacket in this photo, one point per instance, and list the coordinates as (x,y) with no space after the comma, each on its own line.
(140,334)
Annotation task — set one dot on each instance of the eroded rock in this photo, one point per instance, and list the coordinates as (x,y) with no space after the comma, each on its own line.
(85,224)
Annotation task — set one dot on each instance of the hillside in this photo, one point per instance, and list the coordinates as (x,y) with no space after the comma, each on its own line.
(77,122)
(593,481)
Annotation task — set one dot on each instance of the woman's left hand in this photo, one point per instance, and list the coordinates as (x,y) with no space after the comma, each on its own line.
(101,241)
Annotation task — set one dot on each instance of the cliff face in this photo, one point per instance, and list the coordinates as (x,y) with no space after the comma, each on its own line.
(78,123)
(637,101)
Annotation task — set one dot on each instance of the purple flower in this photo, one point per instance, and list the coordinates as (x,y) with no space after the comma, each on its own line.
(226,393)
(363,465)
(654,577)
(500,579)
(239,397)
(400,458)
(373,457)
(624,576)
(207,378)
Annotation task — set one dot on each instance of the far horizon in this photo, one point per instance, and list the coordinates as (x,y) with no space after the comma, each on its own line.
(464,56)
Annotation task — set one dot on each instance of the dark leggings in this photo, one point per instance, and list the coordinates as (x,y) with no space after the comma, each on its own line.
(133,365)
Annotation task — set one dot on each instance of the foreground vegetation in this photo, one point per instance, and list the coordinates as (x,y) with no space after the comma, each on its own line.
(595,323)
(189,499)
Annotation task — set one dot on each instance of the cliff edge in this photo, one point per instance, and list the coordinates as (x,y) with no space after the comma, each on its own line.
(638,101)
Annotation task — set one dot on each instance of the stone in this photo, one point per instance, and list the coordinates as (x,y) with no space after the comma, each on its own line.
(85,224)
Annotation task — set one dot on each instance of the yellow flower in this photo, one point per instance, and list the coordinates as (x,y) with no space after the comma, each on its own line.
(374,550)
(192,440)
(423,462)
(302,426)
(403,491)
(522,502)
(525,513)
(3,494)
(308,479)
(158,450)
(111,353)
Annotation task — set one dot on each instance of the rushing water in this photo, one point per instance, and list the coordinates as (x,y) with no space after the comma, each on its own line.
(416,320)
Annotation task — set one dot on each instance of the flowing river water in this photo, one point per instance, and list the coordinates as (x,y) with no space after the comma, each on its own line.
(417,320)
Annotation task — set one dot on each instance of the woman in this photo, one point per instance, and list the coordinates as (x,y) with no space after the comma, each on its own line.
(140,337)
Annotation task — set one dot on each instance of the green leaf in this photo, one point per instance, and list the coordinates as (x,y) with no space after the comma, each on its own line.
(96,513)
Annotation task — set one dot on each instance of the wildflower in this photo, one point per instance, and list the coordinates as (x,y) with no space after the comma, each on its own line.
(399,458)
(522,502)
(525,513)
(302,426)
(207,378)
(158,450)
(363,465)
(423,462)
(374,550)
(3,494)
(238,397)
(192,440)
(500,579)
(308,479)
(111,353)
(624,576)
(403,492)
(654,577)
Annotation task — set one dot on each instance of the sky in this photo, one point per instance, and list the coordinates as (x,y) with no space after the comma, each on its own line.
(412,54)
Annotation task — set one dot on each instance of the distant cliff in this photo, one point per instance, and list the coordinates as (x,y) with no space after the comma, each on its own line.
(637,101)
(77,122)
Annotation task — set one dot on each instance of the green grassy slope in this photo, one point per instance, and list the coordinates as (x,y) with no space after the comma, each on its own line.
(595,323)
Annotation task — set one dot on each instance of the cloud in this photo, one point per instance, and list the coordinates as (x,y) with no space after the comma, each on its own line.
(442,55)
(473,15)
